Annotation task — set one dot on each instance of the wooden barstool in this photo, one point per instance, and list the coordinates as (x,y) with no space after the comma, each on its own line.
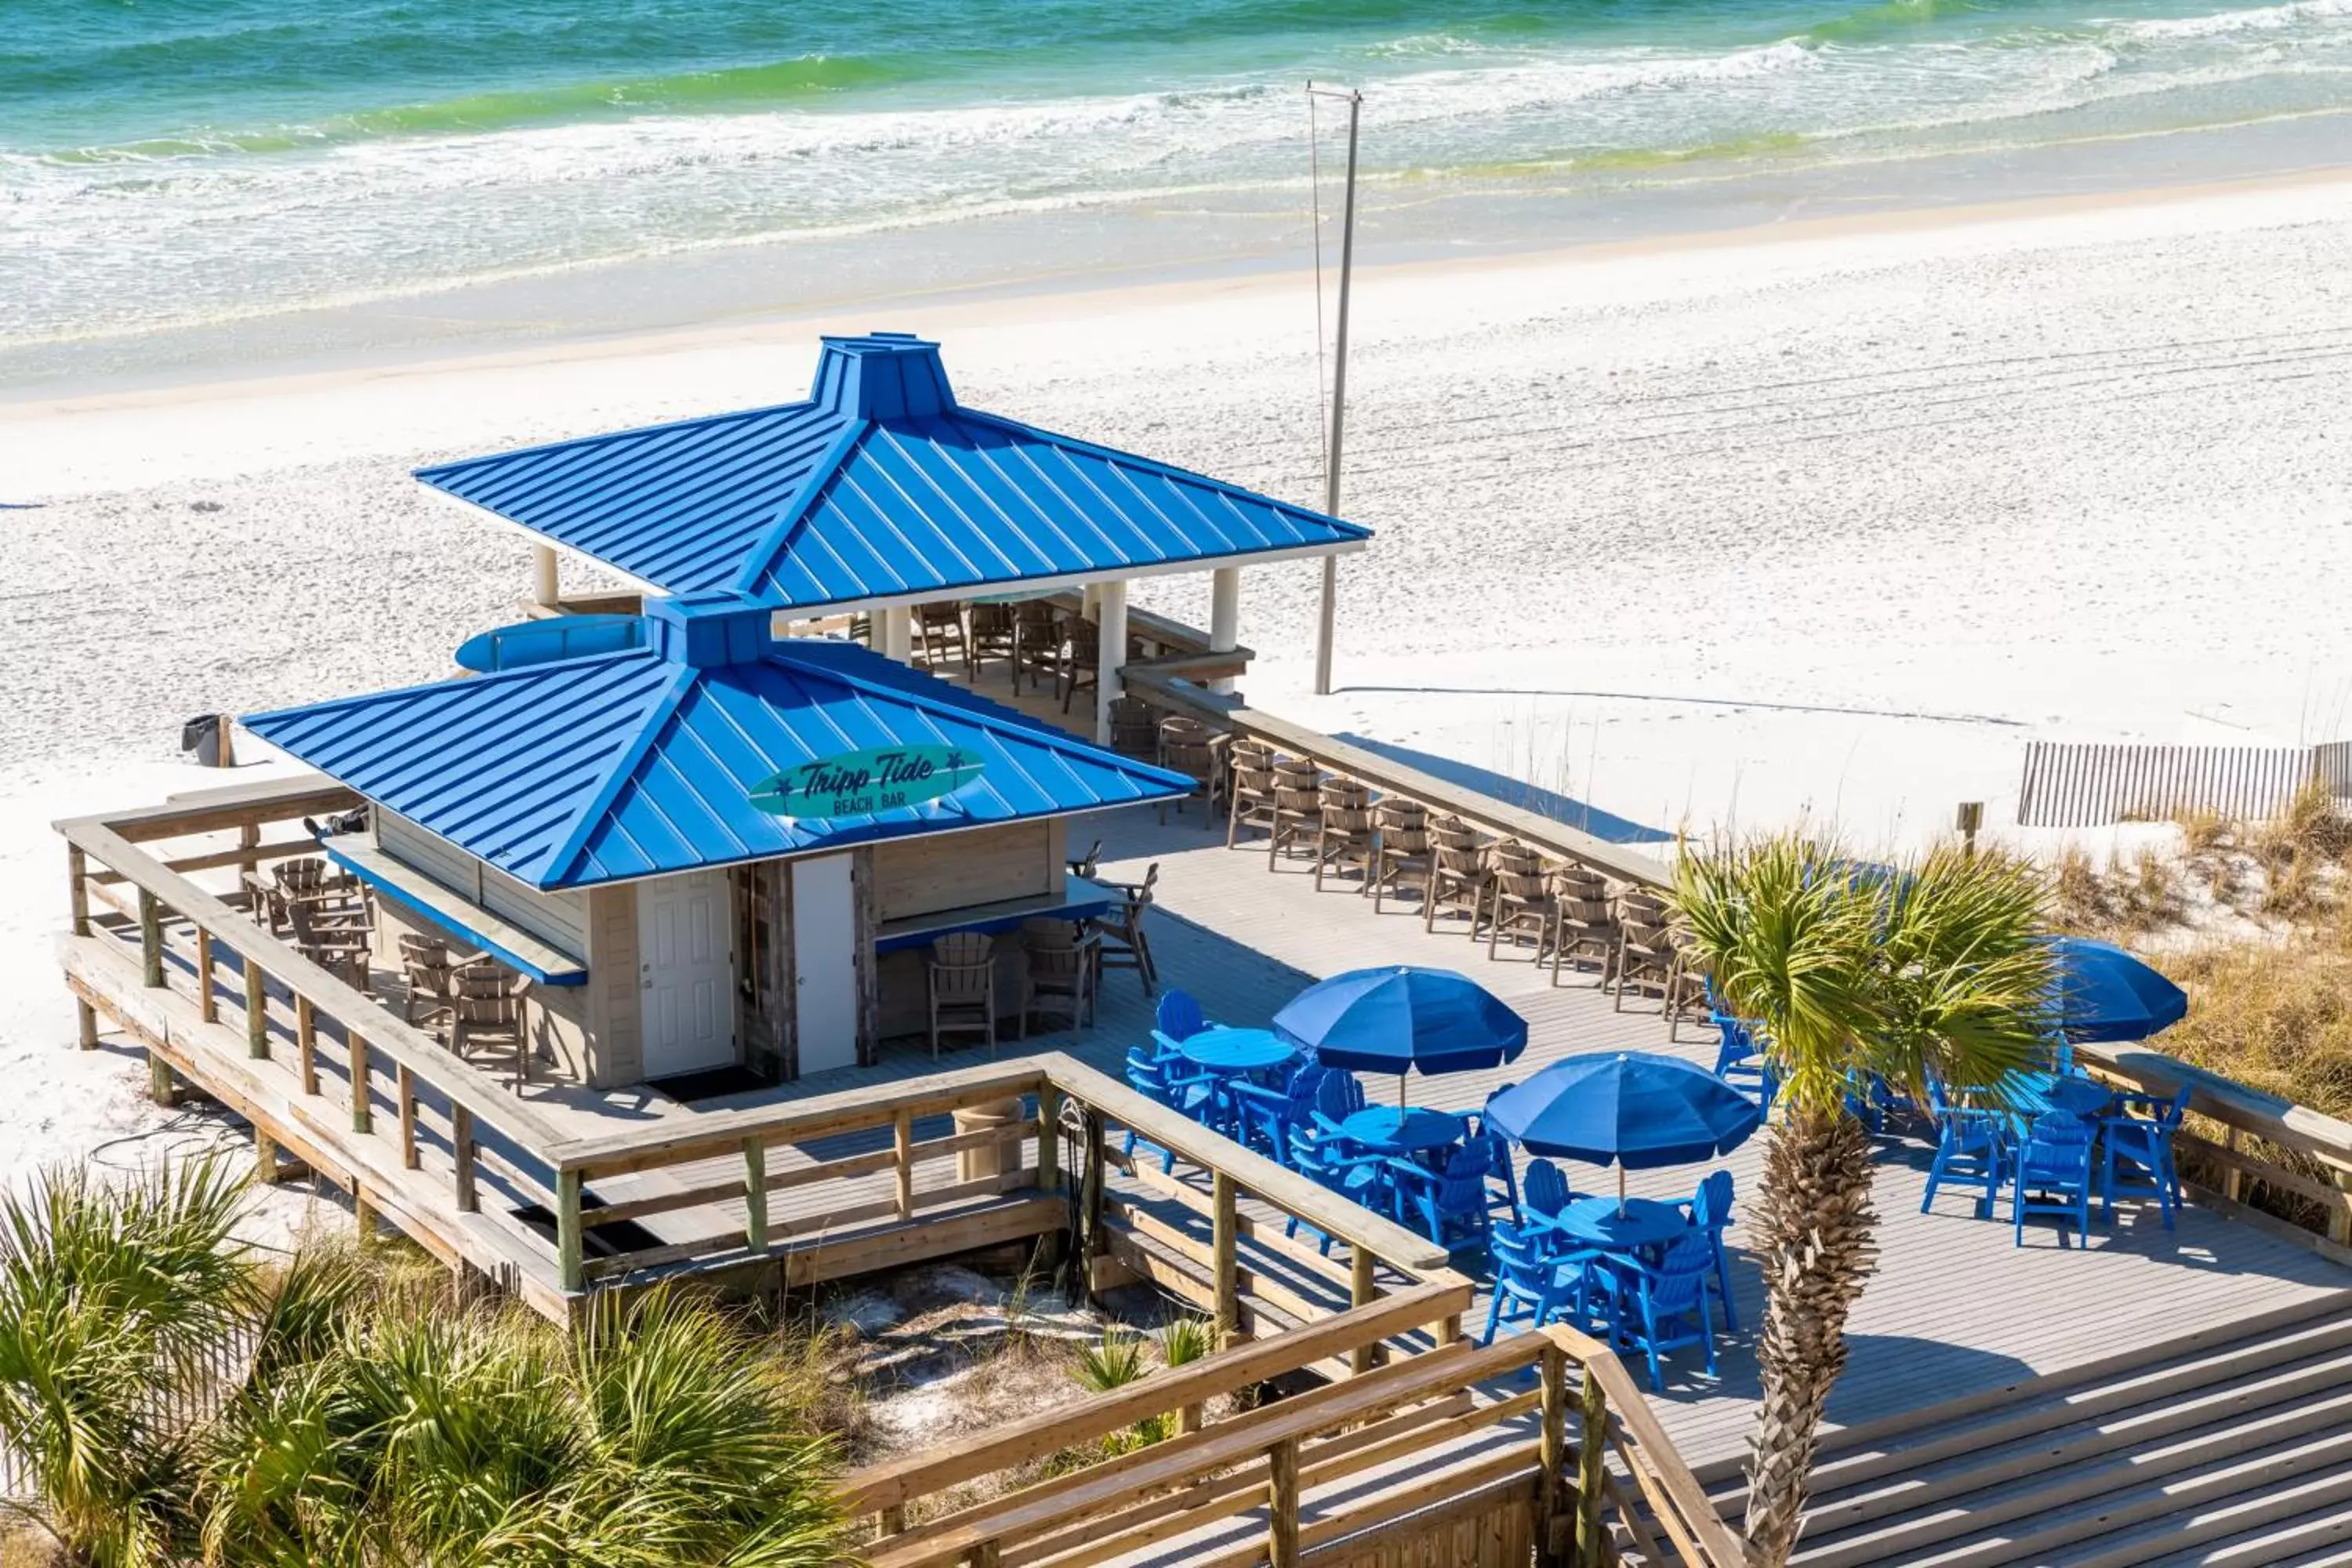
(963,987)
(1588,930)
(1400,848)
(1186,746)
(1251,795)
(941,627)
(1036,639)
(1298,807)
(1521,900)
(1457,873)
(1343,830)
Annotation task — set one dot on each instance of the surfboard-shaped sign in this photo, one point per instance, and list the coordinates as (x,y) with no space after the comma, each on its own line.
(860,783)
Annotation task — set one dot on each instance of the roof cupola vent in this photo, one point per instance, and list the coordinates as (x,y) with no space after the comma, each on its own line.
(706,630)
(882,375)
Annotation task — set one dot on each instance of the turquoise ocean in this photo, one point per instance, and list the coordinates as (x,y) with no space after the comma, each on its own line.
(171,166)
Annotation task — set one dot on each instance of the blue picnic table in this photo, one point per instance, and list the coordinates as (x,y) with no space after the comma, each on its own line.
(1404,1130)
(1643,1222)
(1225,1051)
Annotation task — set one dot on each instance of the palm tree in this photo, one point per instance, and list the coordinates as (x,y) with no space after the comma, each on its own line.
(173,1398)
(1936,967)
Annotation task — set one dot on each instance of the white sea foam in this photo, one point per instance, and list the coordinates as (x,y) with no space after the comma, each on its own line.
(2221,24)
(203,230)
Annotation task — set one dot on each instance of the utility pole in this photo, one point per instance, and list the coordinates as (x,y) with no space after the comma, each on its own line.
(1326,623)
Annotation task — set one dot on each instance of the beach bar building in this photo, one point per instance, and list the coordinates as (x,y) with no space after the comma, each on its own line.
(713,849)
(882,502)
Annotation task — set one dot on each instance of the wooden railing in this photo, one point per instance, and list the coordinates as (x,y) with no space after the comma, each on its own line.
(2257,1158)
(321,1069)
(827,1187)
(1575,1471)
(1180,691)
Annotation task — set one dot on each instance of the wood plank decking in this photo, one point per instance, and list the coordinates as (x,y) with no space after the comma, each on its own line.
(1955,1308)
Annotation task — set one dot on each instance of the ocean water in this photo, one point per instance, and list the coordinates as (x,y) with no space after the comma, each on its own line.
(169,163)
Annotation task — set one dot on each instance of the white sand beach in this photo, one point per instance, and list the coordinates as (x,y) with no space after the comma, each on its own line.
(1829,519)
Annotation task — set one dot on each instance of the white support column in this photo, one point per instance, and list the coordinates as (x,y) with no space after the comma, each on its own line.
(897,627)
(1225,617)
(543,587)
(1325,625)
(1111,614)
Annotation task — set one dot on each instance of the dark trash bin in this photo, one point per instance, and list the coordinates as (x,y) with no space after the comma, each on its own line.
(206,735)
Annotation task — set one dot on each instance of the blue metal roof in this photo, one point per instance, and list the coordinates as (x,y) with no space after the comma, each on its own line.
(642,761)
(880,486)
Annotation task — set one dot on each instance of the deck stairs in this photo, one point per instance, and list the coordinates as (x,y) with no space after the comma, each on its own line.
(2230,1447)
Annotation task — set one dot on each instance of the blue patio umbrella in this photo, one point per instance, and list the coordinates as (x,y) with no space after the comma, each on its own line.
(2105,994)
(1633,1110)
(1398,1018)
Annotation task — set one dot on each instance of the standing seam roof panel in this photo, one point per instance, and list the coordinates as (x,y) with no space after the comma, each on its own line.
(879,487)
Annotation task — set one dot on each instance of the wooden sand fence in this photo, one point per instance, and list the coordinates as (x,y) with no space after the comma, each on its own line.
(2077,785)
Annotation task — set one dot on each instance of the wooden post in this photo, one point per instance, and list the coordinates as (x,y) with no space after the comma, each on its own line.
(894,1519)
(265,1157)
(207,1007)
(461,1150)
(987,1554)
(1593,1440)
(1360,1294)
(1554,1451)
(902,1131)
(567,1230)
(2233,1179)
(249,837)
(1282,1504)
(755,1194)
(306,1043)
(1090,1204)
(1224,1236)
(363,1214)
(84,1024)
(407,1117)
(1049,1142)
(362,1113)
(77,887)
(161,1089)
(151,937)
(1449,1329)
(256,1011)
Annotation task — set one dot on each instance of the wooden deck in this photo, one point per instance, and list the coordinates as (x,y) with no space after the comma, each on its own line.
(1955,1307)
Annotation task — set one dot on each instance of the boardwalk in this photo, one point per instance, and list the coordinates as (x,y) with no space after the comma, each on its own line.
(1955,1307)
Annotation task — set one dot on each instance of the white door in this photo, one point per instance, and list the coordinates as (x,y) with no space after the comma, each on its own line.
(684,952)
(824,963)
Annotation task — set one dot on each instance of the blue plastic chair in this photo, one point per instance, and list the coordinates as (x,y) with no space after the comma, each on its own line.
(2051,1172)
(1534,1282)
(1267,1115)
(1336,1097)
(1710,1211)
(1546,1192)
(1740,1062)
(1178,1019)
(2145,1142)
(1330,1163)
(1661,1306)
(1502,1181)
(1150,1077)
(1971,1147)
(1450,1208)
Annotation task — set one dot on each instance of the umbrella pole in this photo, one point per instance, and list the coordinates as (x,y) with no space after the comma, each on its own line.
(1620,1191)
(1400,1091)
